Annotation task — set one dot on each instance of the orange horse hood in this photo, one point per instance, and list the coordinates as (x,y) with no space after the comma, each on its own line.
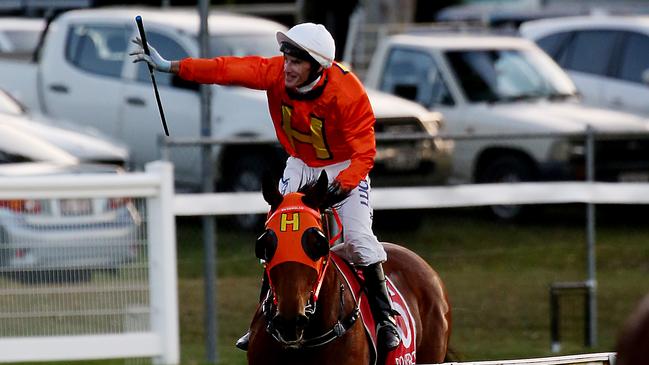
(289,221)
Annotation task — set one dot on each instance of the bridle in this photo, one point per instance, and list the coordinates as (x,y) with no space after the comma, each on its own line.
(303,221)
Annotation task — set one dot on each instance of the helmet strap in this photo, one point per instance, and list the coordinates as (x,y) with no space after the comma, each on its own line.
(314,74)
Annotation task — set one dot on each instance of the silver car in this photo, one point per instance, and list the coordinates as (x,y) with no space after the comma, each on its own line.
(51,240)
(60,239)
(22,131)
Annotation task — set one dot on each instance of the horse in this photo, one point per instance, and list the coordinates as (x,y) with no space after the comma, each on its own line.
(311,314)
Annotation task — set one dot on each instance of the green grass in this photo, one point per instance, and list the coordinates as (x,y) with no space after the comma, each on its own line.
(497,276)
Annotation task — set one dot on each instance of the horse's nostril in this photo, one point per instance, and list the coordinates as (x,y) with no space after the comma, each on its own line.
(301,321)
(278,321)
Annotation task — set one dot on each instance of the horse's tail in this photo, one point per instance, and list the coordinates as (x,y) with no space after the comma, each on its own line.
(452,355)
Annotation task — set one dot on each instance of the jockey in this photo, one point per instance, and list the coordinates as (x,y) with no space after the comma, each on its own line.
(324,121)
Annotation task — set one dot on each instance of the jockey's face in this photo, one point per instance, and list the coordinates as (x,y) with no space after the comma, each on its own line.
(296,71)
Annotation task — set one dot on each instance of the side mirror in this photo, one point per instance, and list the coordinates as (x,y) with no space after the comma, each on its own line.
(645,77)
(177,81)
(406,91)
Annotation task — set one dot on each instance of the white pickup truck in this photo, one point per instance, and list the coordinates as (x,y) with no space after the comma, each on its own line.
(508,89)
(84,74)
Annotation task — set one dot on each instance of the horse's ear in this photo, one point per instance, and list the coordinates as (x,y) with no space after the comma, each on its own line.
(271,193)
(315,196)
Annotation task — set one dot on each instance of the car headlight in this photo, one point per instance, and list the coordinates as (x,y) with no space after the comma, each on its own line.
(433,122)
(566,150)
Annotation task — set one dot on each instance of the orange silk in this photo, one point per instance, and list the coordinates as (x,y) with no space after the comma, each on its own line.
(289,222)
(336,126)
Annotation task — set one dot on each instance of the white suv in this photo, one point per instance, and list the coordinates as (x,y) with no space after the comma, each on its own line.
(606,56)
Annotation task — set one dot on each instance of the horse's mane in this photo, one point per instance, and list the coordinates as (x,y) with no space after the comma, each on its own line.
(333,197)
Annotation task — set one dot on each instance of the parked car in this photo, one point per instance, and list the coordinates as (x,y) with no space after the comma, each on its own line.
(606,56)
(43,240)
(512,13)
(497,91)
(83,144)
(19,36)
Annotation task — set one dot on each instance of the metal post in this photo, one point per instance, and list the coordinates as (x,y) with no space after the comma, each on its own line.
(555,338)
(591,312)
(209,223)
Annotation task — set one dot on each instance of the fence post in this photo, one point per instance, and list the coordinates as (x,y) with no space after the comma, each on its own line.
(557,290)
(161,233)
(554,321)
(591,309)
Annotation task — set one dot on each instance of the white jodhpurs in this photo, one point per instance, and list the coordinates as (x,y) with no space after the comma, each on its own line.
(360,247)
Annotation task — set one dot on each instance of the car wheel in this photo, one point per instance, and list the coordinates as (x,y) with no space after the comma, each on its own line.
(507,169)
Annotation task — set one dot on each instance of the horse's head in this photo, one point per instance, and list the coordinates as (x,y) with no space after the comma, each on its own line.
(295,250)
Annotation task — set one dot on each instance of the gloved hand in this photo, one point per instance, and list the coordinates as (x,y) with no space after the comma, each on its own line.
(153,58)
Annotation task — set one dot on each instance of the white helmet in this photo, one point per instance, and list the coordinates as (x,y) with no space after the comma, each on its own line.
(312,38)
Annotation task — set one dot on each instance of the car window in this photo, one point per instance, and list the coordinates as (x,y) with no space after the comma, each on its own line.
(22,41)
(415,75)
(8,157)
(590,51)
(635,58)
(97,49)
(493,75)
(554,44)
(169,49)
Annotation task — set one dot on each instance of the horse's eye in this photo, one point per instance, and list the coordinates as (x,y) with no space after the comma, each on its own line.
(314,243)
(266,245)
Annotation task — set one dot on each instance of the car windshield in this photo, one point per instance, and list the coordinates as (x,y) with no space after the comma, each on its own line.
(507,75)
(9,105)
(264,45)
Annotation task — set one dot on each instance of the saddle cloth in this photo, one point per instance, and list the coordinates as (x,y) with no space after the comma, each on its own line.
(405,353)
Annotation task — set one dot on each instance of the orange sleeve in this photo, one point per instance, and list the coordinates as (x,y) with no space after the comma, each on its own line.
(252,71)
(358,125)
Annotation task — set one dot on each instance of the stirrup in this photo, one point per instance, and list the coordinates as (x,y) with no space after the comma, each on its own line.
(387,335)
(242,343)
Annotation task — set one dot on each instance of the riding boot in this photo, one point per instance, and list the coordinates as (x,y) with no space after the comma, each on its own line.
(377,292)
(242,343)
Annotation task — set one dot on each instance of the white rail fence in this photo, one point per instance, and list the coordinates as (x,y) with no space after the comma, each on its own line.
(438,197)
(131,314)
(159,337)
(604,358)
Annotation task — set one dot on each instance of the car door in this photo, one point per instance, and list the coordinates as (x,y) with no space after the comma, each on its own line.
(141,124)
(85,88)
(417,75)
(626,89)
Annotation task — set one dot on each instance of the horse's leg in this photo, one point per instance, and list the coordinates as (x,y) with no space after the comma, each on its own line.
(436,332)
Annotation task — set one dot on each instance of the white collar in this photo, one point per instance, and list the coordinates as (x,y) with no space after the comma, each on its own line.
(306,88)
